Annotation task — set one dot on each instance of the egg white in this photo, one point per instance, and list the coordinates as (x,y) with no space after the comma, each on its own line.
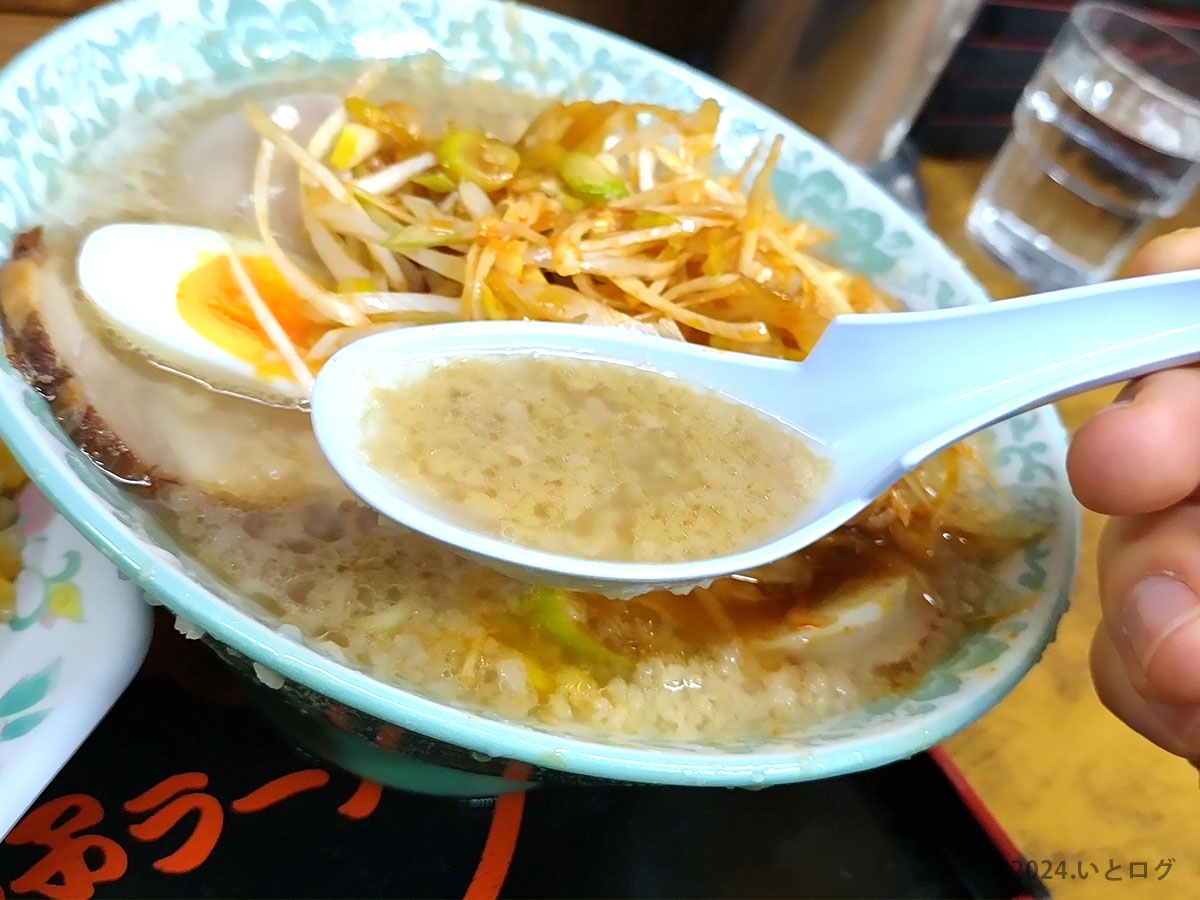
(131,275)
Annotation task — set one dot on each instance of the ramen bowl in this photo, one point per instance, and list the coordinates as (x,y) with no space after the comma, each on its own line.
(82,85)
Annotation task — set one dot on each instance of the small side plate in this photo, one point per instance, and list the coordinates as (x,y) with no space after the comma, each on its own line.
(79,634)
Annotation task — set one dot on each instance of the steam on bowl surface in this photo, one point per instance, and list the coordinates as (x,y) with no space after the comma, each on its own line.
(170,69)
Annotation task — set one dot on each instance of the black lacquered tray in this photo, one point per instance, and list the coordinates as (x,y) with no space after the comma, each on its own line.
(185,791)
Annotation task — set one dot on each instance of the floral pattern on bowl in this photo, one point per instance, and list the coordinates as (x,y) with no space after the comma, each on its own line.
(77,86)
(76,637)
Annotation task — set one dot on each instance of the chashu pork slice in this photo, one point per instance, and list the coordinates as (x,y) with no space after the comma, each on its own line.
(140,423)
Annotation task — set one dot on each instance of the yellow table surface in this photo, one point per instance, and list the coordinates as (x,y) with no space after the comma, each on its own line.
(1066,780)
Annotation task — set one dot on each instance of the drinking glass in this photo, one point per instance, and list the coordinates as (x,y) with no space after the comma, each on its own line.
(1105,139)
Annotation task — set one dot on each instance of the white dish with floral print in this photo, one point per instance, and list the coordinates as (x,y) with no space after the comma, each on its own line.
(79,633)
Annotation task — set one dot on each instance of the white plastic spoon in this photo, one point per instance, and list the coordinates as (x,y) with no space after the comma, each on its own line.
(878,395)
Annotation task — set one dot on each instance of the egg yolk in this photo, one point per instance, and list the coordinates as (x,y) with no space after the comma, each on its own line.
(212,304)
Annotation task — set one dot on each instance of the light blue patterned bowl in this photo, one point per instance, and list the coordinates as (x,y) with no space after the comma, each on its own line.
(75,87)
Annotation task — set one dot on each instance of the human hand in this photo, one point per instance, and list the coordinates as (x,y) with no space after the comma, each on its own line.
(1139,461)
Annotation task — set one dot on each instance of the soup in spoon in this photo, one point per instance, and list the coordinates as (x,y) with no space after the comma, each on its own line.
(590,459)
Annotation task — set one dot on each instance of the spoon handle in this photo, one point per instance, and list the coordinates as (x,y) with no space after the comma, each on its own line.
(931,378)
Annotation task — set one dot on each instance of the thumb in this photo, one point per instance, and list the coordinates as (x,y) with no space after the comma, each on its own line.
(1172,252)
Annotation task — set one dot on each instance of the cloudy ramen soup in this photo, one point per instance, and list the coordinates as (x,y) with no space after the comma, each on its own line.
(393,199)
(590,459)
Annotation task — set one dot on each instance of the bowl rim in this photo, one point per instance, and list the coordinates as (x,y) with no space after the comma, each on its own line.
(484,734)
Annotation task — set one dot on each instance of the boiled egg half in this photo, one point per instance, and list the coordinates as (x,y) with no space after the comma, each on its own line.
(171,293)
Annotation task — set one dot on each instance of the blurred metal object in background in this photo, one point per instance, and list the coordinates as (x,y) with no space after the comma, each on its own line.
(855,73)
(852,72)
